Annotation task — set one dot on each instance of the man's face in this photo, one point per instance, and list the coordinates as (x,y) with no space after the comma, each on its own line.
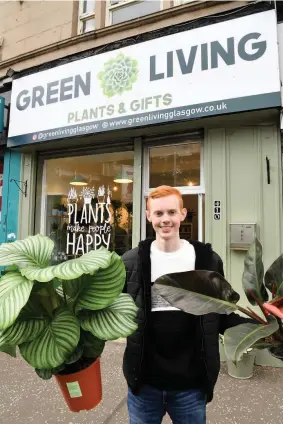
(166,216)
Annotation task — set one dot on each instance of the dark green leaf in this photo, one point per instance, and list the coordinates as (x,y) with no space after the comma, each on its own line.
(277,351)
(37,287)
(34,250)
(53,346)
(9,349)
(22,331)
(72,288)
(75,355)
(14,294)
(261,344)
(240,338)
(197,292)
(252,278)
(274,276)
(56,283)
(116,321)
(33,308)
(92,346)
(97,291)
(89,263)
(44,374)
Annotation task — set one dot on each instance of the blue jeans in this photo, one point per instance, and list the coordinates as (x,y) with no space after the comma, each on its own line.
(150,406)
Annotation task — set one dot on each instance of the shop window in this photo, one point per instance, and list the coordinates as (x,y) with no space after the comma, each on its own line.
(86,16)
(87,202)
(175,165)
(126,10)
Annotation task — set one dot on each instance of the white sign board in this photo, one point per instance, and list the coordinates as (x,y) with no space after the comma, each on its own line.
(223,68)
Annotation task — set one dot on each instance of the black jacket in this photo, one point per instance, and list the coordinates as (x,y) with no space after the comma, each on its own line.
(138,285)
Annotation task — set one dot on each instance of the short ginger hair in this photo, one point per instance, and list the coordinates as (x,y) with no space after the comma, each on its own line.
(164,191)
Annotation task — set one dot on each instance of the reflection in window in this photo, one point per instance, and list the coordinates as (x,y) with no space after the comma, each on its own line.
(175,165)
(125,10)
(88,203)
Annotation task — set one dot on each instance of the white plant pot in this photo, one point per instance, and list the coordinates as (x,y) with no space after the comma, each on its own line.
(222,353)
(244,368)
(87,200)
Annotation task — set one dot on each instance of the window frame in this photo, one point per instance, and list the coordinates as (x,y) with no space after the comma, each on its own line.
(182,2)
(123,4)
(83,17)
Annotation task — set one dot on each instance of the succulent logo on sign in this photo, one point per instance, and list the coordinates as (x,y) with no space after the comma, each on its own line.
(118,75)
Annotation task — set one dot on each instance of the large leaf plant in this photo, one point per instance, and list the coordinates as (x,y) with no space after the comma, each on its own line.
(61,315)
(204,292)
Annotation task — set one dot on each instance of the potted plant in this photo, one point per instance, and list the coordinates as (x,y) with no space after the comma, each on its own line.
(204,292)
(60,316)
(243,369)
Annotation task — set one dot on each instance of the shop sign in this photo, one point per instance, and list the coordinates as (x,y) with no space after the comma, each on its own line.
(89,228)
(2,107)
(217,69)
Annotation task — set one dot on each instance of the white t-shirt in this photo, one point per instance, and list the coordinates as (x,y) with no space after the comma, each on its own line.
(163,263)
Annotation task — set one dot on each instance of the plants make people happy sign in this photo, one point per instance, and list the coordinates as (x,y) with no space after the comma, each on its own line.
(88,226)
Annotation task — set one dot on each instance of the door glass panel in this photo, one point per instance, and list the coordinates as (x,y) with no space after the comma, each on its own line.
(87,203)
(175,165)
(189,227)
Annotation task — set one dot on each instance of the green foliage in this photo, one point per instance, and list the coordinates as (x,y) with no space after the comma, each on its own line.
(41,306)
(204,292)
(252,279)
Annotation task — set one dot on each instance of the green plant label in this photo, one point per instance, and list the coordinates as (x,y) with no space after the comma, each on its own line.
(74,389)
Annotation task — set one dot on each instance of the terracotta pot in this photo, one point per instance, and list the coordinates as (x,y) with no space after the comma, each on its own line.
(82,390)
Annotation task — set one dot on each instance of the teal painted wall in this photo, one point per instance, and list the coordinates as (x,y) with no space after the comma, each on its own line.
(10,195)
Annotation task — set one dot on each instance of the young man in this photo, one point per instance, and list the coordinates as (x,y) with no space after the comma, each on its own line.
(171,362)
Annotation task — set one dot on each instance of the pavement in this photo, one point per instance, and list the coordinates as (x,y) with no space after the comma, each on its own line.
(26,399)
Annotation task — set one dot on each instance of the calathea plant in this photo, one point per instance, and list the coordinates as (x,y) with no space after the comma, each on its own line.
(203,292)
(60,316)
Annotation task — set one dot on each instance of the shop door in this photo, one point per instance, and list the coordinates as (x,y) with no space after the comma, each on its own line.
(178,165)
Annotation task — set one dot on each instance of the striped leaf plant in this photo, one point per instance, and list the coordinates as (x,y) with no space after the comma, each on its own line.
(60,316)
